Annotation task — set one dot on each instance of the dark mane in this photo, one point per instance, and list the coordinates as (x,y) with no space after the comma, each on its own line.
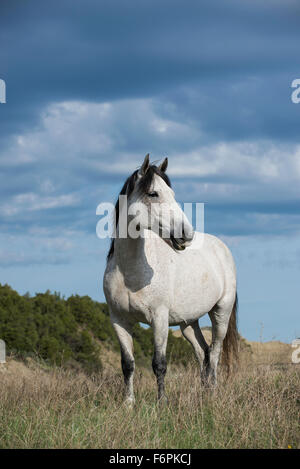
(143,187)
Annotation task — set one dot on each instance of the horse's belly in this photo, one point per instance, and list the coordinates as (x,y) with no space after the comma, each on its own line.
(177,317)
(187,312)
(195,297)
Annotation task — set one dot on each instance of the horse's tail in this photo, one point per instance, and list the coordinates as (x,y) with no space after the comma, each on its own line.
(231,341)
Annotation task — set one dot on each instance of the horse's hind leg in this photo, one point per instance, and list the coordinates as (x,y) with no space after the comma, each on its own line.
(193,334)
(219,316)
(124,333)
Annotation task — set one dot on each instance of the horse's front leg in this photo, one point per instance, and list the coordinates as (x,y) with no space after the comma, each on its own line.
(160,324)
(124,333)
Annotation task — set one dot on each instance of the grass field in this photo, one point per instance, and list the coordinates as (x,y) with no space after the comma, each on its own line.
(43,407)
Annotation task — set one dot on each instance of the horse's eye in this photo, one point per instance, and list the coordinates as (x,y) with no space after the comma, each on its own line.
(153,194)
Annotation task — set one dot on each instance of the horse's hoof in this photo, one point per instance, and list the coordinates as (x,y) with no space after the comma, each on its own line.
(129,403)
(163,401)
(208,382)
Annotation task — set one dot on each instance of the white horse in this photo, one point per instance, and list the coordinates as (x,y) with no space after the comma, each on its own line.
(171,280)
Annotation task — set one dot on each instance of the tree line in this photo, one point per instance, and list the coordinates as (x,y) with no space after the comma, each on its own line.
(72,331)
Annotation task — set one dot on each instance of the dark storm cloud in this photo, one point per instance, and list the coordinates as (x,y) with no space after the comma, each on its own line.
(93,85)
(178,76)
(229,56)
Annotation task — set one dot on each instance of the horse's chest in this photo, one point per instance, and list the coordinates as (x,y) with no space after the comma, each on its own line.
(146,300)
(138,297)
(114,289)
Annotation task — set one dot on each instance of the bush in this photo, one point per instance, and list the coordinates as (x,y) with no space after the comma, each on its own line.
(64,330)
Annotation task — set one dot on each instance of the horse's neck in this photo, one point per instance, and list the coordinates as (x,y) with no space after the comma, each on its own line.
(136,254)
(136,260)
(128,250)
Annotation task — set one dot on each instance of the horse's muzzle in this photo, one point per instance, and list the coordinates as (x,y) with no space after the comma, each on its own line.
(181,243)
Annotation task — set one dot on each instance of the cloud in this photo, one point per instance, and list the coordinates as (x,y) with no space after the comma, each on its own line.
(35,248)
(46,246)
(81,153)
(93,86)
(12,259)
(231,64)
(33,202)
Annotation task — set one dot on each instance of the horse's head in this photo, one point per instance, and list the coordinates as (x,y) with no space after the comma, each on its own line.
(152,205)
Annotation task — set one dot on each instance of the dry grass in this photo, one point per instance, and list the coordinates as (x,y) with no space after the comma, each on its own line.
(54,408)
(258,353)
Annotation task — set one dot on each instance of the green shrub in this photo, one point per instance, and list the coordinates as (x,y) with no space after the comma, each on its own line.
(64,330)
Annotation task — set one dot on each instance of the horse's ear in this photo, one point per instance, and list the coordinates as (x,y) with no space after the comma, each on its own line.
(145,166)
(163,167)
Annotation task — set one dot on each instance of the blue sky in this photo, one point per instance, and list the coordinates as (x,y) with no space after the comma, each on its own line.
(92,86)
